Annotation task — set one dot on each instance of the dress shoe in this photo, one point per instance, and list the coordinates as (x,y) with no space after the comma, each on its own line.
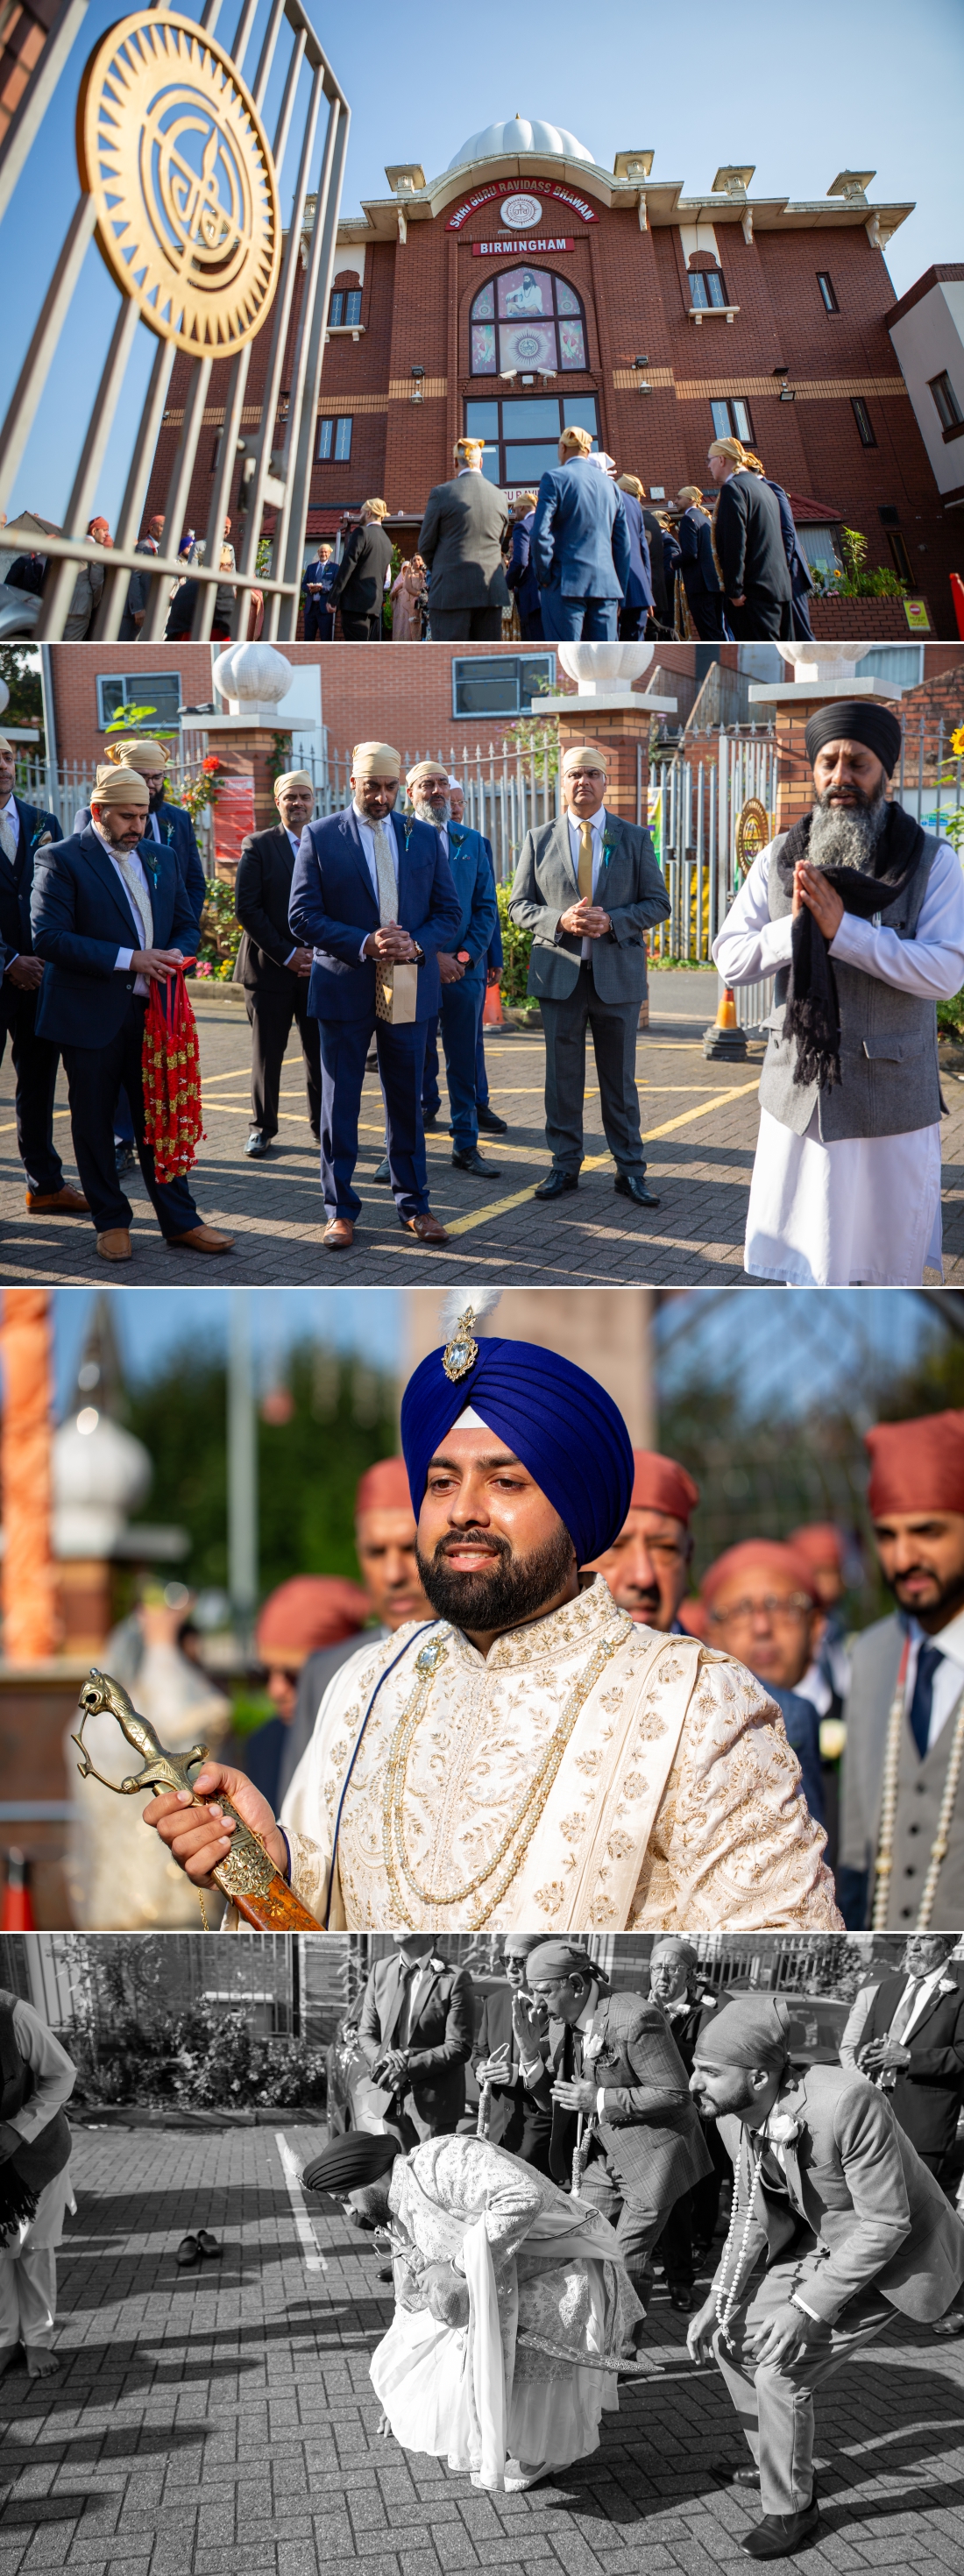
(680,2297)
(630,1186)
(125,1158)
(63,1202)
(201,1238)
(115,1244)
(493,1126)
(744,2475)
(777,2535)
(426,1226)
(339,1234)
(257,1144)
(383,1173)
(555,1185)
(432,1122)
(472,1162)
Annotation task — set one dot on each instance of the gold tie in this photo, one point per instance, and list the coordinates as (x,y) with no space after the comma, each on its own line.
(9,842)
(385,872)
(137,894)
(585,864)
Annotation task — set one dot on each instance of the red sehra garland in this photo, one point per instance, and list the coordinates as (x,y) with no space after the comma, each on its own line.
(171,1068)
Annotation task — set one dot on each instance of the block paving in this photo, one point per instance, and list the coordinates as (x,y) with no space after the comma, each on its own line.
(700,1118)
(212,2422)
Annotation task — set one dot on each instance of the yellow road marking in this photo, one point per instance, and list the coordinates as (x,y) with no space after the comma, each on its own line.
(593,1162)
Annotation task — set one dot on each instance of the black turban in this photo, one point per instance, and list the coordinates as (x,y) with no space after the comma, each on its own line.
(551,1414)
(351,2162)
(856,720)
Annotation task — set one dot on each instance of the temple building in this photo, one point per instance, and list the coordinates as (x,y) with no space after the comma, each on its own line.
(528,288)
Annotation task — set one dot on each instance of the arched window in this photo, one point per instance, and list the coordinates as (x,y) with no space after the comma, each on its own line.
(527,319)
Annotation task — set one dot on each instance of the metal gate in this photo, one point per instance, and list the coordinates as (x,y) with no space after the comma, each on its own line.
(231,238)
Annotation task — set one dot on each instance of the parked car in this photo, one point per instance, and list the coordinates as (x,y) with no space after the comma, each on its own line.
(19,612)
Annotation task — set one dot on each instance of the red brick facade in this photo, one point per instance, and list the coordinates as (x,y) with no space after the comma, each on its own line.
(636,295)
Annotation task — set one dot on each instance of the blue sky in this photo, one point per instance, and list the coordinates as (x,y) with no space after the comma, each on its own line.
(865,85)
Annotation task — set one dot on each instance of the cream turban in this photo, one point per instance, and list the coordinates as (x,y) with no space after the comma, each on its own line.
(425,769)
(5,745)
(135,752)
(119,787)
(292,778)
(375,760)
(468,447)
(630,483)
(577,442)
(588,753)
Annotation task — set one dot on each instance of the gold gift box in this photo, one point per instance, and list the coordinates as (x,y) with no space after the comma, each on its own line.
(396,993)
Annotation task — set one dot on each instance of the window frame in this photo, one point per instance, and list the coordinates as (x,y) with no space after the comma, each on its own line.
(899,556)
(333,454)
(828,296)
(954,425)
(132,686)
(343,320)
(499,445)
(507,663)
(501,321)
(714,303)
(865,426)
(747,437)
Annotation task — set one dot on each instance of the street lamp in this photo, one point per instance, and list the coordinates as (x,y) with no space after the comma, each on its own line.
(416,374)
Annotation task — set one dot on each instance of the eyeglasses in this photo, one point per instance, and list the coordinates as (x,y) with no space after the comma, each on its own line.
(784,1612)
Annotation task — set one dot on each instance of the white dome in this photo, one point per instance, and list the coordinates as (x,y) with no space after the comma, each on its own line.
(100,1475)
(519,136)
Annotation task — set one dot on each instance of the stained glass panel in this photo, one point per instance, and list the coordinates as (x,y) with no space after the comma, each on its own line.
(572,344)
(523,291)
(566,301)
(483,309)
(483,348)
(527,344)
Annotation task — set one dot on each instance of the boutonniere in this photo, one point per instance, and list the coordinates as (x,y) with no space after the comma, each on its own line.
(782,2129)
(407,822)
(593,2046)
(610,843)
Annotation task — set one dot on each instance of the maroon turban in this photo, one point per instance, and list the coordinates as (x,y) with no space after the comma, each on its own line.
(384,1488)
(771,1553)
(819,1543)
(917,1466)
(660,1485)
(312,1610)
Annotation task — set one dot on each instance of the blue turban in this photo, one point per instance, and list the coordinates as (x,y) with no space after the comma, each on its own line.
(558,1420)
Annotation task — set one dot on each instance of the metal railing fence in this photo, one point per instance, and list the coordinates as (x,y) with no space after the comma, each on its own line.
(282,476)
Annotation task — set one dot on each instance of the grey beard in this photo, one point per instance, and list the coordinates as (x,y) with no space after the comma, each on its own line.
(846,836)
(435,810)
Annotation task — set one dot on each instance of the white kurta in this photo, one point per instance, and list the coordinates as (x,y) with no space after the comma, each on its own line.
(866,1210)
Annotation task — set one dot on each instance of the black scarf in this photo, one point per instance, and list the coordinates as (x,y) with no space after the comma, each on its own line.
(23,2172)
(812,1013)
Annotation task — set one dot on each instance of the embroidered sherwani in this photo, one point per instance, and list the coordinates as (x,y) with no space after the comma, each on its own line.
(587,1774)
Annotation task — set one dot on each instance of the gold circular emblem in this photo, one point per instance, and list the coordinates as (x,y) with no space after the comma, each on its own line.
(172,149)
(752,833)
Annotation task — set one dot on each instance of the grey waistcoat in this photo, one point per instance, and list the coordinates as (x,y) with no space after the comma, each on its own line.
(888,1040)
(875,1663)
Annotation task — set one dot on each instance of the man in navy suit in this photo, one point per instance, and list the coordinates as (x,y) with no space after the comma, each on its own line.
(110,917)
(24,829)
(169,824)
(580,546)
(487,1116)
(463,967)
(701,581)
(370,891)
(638,600)
(520,575)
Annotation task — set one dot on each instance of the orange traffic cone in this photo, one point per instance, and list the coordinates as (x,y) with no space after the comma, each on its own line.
(725,1037)
(492,1017)
(16,1911)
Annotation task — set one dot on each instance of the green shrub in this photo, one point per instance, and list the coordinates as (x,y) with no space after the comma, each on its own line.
(516,952)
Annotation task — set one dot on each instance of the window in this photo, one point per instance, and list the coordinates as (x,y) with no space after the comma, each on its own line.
(863,420)
(820,545)
(708,289)
(334,441)
(502,684)
(825,284)
(344,311)
(160,691)
(732,420)
(527,318)
(901,558)
(949,411)
(522,434)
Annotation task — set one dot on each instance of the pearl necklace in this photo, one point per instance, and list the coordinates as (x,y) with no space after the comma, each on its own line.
(725,2306)
(524,1822)
(888,1811)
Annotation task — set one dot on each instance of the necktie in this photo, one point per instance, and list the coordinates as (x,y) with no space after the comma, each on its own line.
(405,2016)
(585,863)
(919,1713)
(385,872)
(139,897)
(904,2009)
(9,838)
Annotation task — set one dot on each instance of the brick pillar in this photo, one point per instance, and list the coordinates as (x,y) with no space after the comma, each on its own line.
(252,751)
(620,733)
(794,774)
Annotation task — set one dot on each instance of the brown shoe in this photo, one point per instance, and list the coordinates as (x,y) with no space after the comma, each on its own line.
(202,1238)
(426,1226)
(115,1244)
(339,1234)
(65,1202)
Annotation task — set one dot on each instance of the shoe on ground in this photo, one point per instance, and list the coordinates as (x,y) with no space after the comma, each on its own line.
(62,1202)
(383,1173)
(425,1226)
(951,2324)
(555,1185)
(680,2297)
(778,2535)
(209,2244)
(471,1161)
(201,1238)
(493,1125)
(432,1122)
(744,2474)
(385,2272)
(115,1243)
(188,2253)
(630,1186)
(258,1143)
(125,1159)
(339,1234)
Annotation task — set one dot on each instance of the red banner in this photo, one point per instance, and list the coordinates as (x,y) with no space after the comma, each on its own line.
(233,815)
(525,242)
(507,188)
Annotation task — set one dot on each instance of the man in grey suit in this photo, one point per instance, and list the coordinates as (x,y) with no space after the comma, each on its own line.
(588,886)
(830,2192)
(461,539)
(904,1713)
